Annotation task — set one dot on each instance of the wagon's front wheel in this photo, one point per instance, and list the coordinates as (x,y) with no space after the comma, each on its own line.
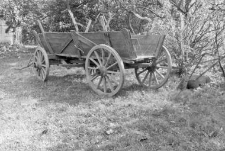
(41,64)
(156,75)
(104,70)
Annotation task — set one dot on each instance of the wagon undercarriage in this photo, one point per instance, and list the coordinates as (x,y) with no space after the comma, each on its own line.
(105,56)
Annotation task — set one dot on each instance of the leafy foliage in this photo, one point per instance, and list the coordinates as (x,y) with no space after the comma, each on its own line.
(193,27)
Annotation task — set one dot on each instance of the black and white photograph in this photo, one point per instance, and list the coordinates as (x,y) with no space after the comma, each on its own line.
(112,75)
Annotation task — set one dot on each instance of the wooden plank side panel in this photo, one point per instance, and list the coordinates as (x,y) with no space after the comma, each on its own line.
(43,43)
(59,40)
(149,44)
(96,37)
(56,40)
(70,49)
(121,42)
(37,38)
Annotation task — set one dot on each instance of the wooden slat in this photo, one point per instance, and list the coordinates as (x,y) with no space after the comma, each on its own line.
(122,43)
(61,42)
(83,39)
(119,40)
(160,44)
(73,65)
(45,39)
(67,55)
(37,38)
(73,44)
(66,45)
(77,45)
(52,56)
(150,44)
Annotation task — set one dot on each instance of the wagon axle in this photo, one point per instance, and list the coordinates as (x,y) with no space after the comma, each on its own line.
(151,68)
(105,55)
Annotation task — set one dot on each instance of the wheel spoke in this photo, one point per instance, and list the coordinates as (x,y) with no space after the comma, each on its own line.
(93,71)
(94,62)
(107,61)
(103,57)
(43,66)
(159,74)
(42,73)
(99,60)
(92,68)
(100,81)
(155,78)
(161,60)
(159,71)
(108,66)
(142,71)
(104,83)
(110,84)
(35,58)
(145,77)
(159,53)
(43,60)
(44,70)
(112,65)
(163,67)
(39,56)
(150,78)
(94,77)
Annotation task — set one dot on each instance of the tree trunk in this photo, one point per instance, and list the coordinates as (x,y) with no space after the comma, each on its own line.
(72,16)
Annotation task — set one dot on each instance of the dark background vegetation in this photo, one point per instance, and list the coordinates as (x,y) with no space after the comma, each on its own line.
(192,27)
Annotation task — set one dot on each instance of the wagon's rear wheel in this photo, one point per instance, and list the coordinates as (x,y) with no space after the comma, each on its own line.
(104,70)
(156,75)
(41,64)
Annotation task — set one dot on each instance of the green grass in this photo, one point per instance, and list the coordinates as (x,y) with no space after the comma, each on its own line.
(64,114)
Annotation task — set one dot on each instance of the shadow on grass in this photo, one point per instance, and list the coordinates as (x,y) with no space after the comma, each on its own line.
(133,87)
(71,89)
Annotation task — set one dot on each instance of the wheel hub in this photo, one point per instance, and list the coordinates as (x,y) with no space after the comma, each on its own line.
(103,71)
(37,65)
(153,66)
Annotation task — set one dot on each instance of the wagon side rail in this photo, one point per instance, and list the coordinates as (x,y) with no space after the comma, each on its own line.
(148,45)
(46,43)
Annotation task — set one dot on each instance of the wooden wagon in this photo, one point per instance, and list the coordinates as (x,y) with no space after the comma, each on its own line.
(105,56)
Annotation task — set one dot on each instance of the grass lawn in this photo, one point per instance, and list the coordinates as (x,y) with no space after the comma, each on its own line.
(64,114)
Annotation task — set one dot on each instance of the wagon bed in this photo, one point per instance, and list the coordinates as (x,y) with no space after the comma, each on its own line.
(76,45)
(105,55)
